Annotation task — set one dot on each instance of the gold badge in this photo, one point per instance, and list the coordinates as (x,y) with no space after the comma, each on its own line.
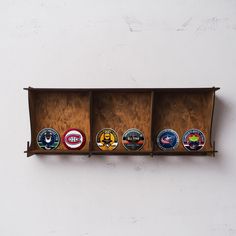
(107,139)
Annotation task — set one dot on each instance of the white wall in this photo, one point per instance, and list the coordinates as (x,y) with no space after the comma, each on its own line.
(110,43)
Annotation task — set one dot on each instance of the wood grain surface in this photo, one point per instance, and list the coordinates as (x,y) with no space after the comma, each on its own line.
(122,111)
(180,111)
(61,111)
(183,111)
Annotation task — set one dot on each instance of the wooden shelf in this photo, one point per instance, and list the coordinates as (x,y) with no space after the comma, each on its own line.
(148,109)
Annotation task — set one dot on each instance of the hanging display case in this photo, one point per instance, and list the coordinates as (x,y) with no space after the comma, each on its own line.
(149,110)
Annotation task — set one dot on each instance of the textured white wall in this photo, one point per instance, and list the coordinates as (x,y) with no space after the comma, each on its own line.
(109,43)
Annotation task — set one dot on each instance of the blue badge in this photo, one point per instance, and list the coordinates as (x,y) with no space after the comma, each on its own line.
(48,139)
(167,139)
(194,140)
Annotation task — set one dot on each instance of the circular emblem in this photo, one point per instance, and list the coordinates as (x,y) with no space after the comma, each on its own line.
(133,139)
(48,139)
(74,139)
(167,139)
(107,139)
(194,140)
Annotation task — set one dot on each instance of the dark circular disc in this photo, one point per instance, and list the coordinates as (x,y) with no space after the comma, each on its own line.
(194,140)
(74,139)
(48,139)
(168,139)
(107,139)
(133,139)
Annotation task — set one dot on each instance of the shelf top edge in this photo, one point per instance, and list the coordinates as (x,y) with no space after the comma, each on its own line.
(126,89)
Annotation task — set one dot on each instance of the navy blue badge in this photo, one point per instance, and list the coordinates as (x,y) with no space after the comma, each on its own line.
(167,139)
(194,140)
(48,139)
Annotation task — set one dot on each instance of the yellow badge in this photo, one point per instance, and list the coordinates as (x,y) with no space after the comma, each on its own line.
(107,139)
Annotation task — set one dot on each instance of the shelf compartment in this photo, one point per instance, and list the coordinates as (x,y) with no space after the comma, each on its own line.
(184,111)
(122,111)
(59,110)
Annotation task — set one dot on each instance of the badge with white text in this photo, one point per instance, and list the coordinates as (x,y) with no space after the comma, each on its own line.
(133,139)
(167,139)
(107,139)
(74,139)
(48,139)
(194,140)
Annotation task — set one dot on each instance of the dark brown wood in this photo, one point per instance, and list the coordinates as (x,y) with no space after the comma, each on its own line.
(103,153)
(212,114)
(125,89)
(91,122)
(56,152)
(148,109)
(31,101)
(186,153)
(153,104)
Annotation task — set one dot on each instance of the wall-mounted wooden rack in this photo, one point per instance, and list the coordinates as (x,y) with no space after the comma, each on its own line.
(148,109)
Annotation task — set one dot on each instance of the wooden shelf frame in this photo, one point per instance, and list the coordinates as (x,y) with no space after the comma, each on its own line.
(153,93)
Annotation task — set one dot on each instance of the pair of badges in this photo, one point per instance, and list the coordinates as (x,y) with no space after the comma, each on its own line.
(193,140)
(132,139)
(73,139)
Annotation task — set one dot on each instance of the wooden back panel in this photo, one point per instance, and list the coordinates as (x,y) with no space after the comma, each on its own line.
(122,111)
(61,111)
(184,111)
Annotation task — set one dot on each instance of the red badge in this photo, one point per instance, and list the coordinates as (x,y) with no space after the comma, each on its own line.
(74,139)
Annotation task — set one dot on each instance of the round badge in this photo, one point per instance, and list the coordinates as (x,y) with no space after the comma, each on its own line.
(48,139)
(74,139)
(133,139)
(107,139)
(194,140)
(167,139)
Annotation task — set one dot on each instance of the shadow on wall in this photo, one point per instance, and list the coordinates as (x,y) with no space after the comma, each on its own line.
(132,163)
